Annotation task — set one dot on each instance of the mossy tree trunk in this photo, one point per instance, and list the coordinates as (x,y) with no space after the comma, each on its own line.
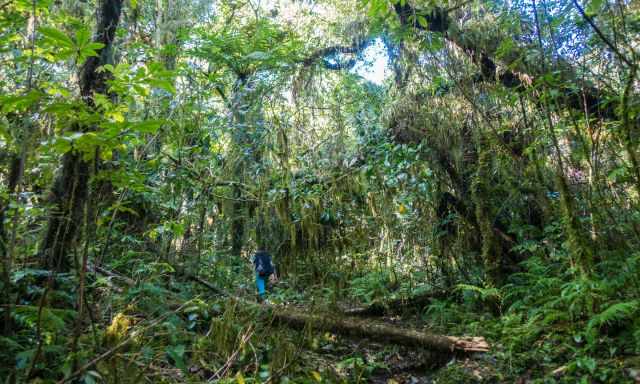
(247,137)
(71,186)
(16,166)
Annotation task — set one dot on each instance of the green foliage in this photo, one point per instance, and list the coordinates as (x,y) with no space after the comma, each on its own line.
(614,314)
(496,167)
(371,287)
(485,293)
(443,313)
(252,47)
(61,47)
(50,319)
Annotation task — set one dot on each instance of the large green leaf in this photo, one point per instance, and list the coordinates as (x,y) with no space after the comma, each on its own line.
(56,37)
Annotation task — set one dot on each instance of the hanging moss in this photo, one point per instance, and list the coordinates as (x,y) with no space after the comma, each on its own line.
(491,251)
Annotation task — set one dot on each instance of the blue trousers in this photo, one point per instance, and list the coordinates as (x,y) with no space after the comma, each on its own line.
(261,284)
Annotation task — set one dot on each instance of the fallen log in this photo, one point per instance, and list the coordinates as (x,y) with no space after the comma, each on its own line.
(128,281)
(377,331)
(297,319)
(207,284)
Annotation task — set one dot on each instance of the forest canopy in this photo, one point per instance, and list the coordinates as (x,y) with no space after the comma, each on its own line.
(449,191)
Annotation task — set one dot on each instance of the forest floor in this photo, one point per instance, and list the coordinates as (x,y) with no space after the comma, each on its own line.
(360,360)
(159,325)
(332,357)
(516,355)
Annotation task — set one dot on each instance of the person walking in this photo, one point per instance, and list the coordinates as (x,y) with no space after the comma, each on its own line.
(264,270)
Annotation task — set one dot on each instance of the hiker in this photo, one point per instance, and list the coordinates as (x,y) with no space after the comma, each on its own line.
(264,271)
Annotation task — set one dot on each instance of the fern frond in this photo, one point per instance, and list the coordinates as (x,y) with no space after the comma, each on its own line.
(485,293)
(52,319)
(554,316)
(615,313)
(8,344)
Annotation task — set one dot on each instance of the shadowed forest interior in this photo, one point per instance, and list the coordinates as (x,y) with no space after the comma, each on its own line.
(448,191)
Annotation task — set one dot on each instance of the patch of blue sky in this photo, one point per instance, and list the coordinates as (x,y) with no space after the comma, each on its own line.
(373,64)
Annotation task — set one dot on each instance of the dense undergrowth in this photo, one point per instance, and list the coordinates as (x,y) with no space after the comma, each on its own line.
(547,324)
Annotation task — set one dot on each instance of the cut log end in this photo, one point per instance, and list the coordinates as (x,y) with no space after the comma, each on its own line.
(470,344)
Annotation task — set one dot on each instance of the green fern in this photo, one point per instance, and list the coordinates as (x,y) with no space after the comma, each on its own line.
(51,319)
(485,293)
(8,344)
(553,316)
(614,314)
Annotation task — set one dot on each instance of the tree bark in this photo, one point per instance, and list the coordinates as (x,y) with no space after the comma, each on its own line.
(377,331)
(70,188)
(68,195)
(16,165)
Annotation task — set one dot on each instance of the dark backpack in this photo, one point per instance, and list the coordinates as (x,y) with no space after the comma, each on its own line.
(263,265)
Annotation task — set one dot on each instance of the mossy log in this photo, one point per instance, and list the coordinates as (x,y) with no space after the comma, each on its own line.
(297,319)
(376,331)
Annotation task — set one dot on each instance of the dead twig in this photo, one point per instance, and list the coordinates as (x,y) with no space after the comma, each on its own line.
(130,282)
(225,368)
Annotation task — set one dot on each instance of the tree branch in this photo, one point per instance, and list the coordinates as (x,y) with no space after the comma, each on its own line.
(325,54)
(588,98)
(615,50)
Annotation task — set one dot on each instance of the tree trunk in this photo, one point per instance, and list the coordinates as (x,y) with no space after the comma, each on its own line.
(16,165)
(237,222)
(70,188)
(68,196)
(245,121)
